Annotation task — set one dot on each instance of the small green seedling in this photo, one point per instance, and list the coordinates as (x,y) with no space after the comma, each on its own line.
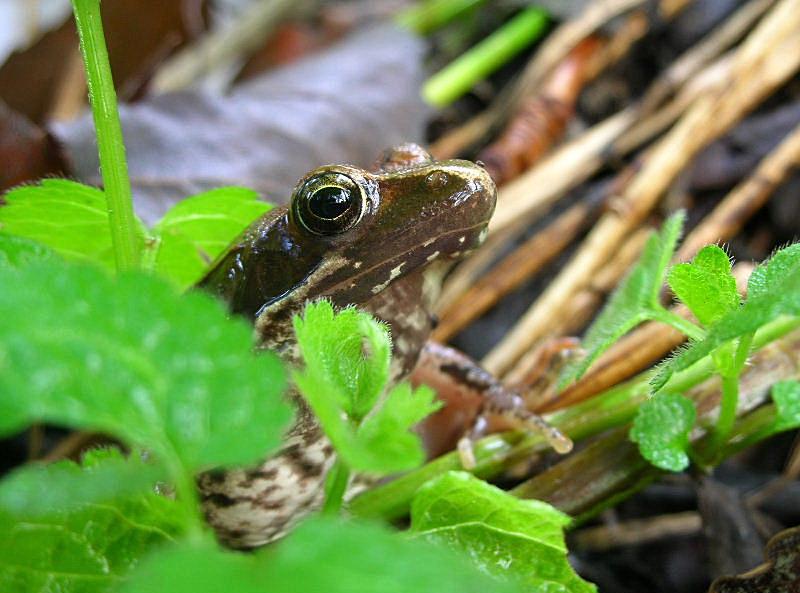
(727,326)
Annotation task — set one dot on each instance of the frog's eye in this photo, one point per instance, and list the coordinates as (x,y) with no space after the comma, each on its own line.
(328,204)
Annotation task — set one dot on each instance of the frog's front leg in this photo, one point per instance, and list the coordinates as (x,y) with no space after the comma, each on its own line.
(475,404)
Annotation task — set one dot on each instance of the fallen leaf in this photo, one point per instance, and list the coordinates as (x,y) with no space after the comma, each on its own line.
(31,79)
(342,105)
(26,151)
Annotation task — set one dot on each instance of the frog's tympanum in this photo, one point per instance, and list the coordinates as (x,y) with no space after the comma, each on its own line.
(381,241)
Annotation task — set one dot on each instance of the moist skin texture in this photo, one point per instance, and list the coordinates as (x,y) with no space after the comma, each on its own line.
(416,217)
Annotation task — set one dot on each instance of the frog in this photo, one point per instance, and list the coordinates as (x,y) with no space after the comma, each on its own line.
(382,240)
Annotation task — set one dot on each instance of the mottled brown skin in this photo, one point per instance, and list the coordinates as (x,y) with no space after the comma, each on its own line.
(418,217)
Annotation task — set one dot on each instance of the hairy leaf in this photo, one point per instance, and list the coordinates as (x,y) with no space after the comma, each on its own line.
(196,230)
(706,285)
(786,395)
(321,555)
(775,292)
(506,536)
(350,349)
(132,358)
(632,301)
(661,429)
(347,357)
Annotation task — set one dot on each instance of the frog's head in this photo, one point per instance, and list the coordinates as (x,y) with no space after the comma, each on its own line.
(348,233)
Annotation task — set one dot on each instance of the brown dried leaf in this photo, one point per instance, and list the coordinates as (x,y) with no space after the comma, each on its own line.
(780,574)
(139,34)
(343,105)
(26,151)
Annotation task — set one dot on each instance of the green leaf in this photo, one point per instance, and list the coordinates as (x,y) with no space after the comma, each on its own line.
(132,358)
(384,439)
(775,292)
(349,350)
(505,536)
(770,275)
(67,216)
(661,429)
(633,300)
(19,251)
(786,395)
(39,490)
(88,550)
(347,356)
(706,285)
(196,230)
(321,555)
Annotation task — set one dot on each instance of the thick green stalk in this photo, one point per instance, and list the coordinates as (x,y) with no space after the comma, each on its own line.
(426,17)
(457,78)
(113,166)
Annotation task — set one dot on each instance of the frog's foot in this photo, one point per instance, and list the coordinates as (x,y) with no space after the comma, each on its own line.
(490,405)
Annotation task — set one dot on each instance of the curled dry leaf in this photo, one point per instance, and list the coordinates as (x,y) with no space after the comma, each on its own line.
(344,105)
(780,573)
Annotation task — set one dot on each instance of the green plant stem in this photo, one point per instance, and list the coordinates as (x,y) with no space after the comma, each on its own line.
(449,84)
(730,393)
(494,454)
(113,166)
(684,326)
(186,495)
(335,487)
(425,17)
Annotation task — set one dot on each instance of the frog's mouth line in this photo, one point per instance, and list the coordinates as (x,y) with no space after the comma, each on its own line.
(401,258)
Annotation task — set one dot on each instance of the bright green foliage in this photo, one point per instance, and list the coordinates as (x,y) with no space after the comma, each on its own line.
(87,550)
(786,395)
(72,219)
(196,230)
(773,290)
(67,216)
(39,490)
(347,357)
(661,429)
(132,358)
(349,350)
(321,555)
(19,251)
(706,285)
(634,301)
(506,536)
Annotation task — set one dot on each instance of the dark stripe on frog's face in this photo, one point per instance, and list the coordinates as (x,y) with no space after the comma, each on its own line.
(406,218)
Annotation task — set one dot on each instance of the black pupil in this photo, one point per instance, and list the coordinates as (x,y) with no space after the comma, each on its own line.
(329,202)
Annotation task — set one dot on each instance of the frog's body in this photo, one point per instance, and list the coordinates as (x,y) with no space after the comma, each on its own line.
(381,241)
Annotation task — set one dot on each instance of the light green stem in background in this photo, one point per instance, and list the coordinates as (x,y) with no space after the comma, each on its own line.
(111,149)
(427,16)
(457,78)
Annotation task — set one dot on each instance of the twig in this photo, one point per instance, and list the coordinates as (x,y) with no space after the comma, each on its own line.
(513,270)
(769,56)
(579,309)
(222,47)
(637,532)
(611,468)
(739,205)
(553,51)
